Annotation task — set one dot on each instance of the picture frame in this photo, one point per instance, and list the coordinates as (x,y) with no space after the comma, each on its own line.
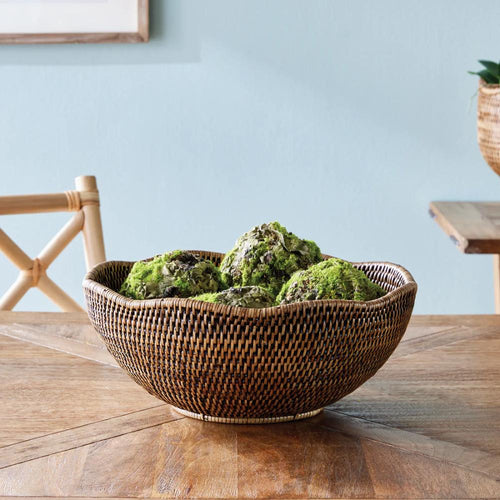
(74,21)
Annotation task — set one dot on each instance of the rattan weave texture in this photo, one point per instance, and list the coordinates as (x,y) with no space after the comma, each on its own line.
(235,363)
(488,124)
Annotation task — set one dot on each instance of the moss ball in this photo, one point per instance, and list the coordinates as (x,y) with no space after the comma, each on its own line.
(330,279)
(173,274)
(267,256)
(246,296)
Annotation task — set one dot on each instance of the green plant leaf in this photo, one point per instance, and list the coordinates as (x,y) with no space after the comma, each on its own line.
(492,68)
(486,76)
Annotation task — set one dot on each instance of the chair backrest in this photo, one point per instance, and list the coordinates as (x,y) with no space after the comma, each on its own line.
(85,202)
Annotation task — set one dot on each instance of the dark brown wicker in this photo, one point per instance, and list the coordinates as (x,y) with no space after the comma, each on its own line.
(233,364)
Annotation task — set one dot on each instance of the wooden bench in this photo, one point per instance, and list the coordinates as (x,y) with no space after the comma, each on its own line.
(474,227)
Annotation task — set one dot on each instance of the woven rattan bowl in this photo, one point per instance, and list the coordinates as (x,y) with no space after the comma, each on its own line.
(238,365)
(488,124)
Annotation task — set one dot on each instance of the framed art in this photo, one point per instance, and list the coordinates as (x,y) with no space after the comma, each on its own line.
(73,21)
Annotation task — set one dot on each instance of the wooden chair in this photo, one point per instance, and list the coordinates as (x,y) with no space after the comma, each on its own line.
(85,202)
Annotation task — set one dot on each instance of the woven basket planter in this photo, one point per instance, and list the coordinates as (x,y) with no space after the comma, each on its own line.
(238,365)
(488,124)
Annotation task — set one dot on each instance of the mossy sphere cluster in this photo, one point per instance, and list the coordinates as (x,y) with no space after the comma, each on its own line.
(330,279)
(245,296)
(173,274)
(267,256)
(268,266)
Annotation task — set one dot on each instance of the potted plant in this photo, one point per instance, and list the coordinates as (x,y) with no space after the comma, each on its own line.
(488,113)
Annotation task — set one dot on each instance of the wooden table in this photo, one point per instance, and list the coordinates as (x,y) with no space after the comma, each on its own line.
(474,227)
(74,425)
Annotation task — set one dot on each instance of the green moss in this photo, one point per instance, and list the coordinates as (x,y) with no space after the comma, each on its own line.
(247,296)
(330,279)
(173,274)
(267,256)
(207,297)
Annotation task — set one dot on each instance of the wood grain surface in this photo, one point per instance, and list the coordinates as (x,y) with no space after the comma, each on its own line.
(74,425)
(473,226)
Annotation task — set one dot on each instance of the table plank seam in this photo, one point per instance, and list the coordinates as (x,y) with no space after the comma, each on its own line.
(482,456)
(444,338)
(58,343)
(80,426)
(425,335)
(26,451)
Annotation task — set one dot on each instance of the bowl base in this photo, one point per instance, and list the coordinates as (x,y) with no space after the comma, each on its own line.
(265,420)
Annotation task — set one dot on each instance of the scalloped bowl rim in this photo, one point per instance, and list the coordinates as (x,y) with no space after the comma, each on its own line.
(88,282)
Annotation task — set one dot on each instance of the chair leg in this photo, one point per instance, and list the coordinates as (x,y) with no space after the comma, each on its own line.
(61,240)
(14,253)
(15,293)
(92,225)
(58,295)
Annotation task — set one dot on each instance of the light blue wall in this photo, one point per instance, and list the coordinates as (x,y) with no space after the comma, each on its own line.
(341,119)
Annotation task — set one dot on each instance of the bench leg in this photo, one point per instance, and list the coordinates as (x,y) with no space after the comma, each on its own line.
(496,281)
